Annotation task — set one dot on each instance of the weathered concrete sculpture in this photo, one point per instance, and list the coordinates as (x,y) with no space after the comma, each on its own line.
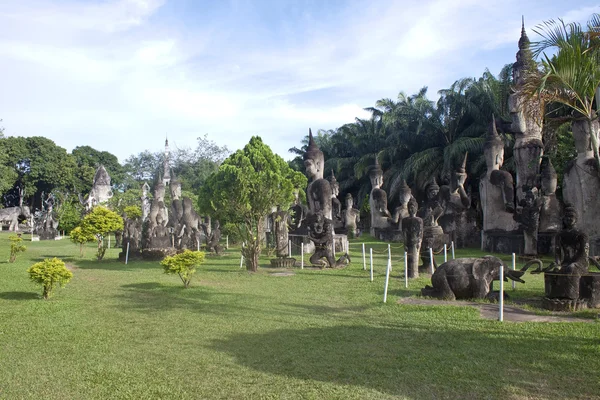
(430,212)
(298,213)
(212,243)
(145,202)
(318,190)
(562,278)
(381,219)
(280,227)
(10,215)
(320,231)
(581,183)
(401,212)
(496,192)
(550,214)
(101,190)
(45,224)
(468,278)
(351,217)
(527,118)
(132,239)
(158,233)
(529,217)
(412,232)
(336,205)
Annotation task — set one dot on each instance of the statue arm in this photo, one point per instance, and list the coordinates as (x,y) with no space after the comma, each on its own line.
(464,197)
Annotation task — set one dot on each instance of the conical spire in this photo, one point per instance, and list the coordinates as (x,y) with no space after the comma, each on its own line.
(463,166)
(433,184)
(493,139)
(332,177)
(376,168)
(312,151)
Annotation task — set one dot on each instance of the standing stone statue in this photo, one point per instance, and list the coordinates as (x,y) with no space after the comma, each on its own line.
(336,205)
(319,189)
(101,190)
(280,227)
(496,190)
(351,217)
(527,118)
(550,214)
(380,215)
(145,202)
(456,221)
(412,232)
(433,234)
(529,217)
(581,183)
(401,212)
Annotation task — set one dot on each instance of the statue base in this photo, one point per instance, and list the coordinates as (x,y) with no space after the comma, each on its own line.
(502,242)
(564,304)
(49,234)
(286,262)
(154,254)
(589,289)
(340,241)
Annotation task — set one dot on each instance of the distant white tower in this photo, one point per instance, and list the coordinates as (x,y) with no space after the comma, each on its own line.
(166,168)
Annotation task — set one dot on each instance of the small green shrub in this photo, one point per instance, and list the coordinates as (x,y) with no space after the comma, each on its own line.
(49,273)
(81,237)
(184,264)
(16,247)
(133,212)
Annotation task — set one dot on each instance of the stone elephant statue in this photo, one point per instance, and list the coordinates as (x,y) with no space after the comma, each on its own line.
(11,215)
(469,278)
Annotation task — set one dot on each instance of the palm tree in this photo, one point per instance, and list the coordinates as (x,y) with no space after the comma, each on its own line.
(570,77)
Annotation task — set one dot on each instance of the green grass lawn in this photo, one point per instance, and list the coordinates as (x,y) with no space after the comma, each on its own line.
(132,332)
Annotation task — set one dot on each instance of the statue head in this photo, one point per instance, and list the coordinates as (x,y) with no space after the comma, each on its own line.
(529,198)
(404,192)
(376,175)
(313,159)
(460,175)
(432,190)
(569,217)
(159,190)
(349,201)
(175,189)
(493,148)
(335,186)
(412,207)
(549,176)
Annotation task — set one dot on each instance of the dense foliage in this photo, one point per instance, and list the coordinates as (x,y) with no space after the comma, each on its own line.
(80,236)
(16,247)
(100,222)
(183,264)
(49,273)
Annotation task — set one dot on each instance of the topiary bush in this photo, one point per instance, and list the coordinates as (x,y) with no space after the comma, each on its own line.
(49,273)
(16,247)
(81,237)
(183,264)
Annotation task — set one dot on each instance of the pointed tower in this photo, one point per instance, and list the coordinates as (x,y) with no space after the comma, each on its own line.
(166,180)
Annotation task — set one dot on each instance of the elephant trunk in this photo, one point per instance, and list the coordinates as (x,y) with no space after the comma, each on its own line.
(530,262)
(514,275)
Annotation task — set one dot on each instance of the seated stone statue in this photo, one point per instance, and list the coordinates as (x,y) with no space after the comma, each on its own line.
(215,238)
(380,215)
(412,232)
(297,213)
(318,191)
(351,217)
(401,212)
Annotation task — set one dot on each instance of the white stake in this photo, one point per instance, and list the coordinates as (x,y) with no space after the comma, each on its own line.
(127,254)
(387,280)
(364,258)
(445,253)
(290,248)
(371,255)
(109,240)
(302,256)
(514,266)
(198,243)
(242,258)
(453,250)
(431,259)
(405,269)
(501,295)
(390,255)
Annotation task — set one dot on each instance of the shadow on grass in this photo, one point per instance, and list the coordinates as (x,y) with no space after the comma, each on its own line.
(19,296)
(115,265)
(418,363)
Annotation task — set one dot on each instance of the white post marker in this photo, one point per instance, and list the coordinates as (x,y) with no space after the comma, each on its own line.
(387,280)
(453,250)
(289,248)
(242,258)
(390,255)
(501,295)
(302,256)
(405,269)
(371,255)
(198,243)
(431,260)
(364,258)
(445,253)
(514,266)
(127,254)
(109,240)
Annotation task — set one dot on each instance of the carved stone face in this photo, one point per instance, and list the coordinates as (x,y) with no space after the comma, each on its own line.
(569,220)
(312,168)
(349,202)
(432,193)
(458,179)
(494,158)
(377,180)
(412,209)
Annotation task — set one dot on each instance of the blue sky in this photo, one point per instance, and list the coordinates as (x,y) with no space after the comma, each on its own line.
(119,75)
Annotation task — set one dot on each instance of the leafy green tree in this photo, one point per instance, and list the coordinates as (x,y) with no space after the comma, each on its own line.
(183,264)
(49,273)
(68,211)
(81,237)
(133,212)
(89,159)
(246,187)
(100,222)
(16,247)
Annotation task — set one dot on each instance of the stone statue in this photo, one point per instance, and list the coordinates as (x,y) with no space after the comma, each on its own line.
(401,212)
(11,215)
(318,190)
(336,205)
(456,203)
(527,118)
(496,189)
(380,215)
(101,190)
(280,227)
(433,234)
(581,183)
(297,213)
(529,217)
(212,244)
(46,225)
(351,217)
(550,214)
(412,232)
(572,259)
(320,231)
(468,278)
(145,202)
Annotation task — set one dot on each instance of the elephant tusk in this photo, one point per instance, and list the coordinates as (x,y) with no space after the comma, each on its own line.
(528,264)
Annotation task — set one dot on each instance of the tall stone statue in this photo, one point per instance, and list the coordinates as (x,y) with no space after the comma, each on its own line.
(101,190)
(527,118)
(319,189)
(496,189)
(550,214)
(336,205)
(433,234)
(581,183)
(412,232)
(401,212)
(380,215)
(145,202)
(456,220)
(351,217)
(529,217)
